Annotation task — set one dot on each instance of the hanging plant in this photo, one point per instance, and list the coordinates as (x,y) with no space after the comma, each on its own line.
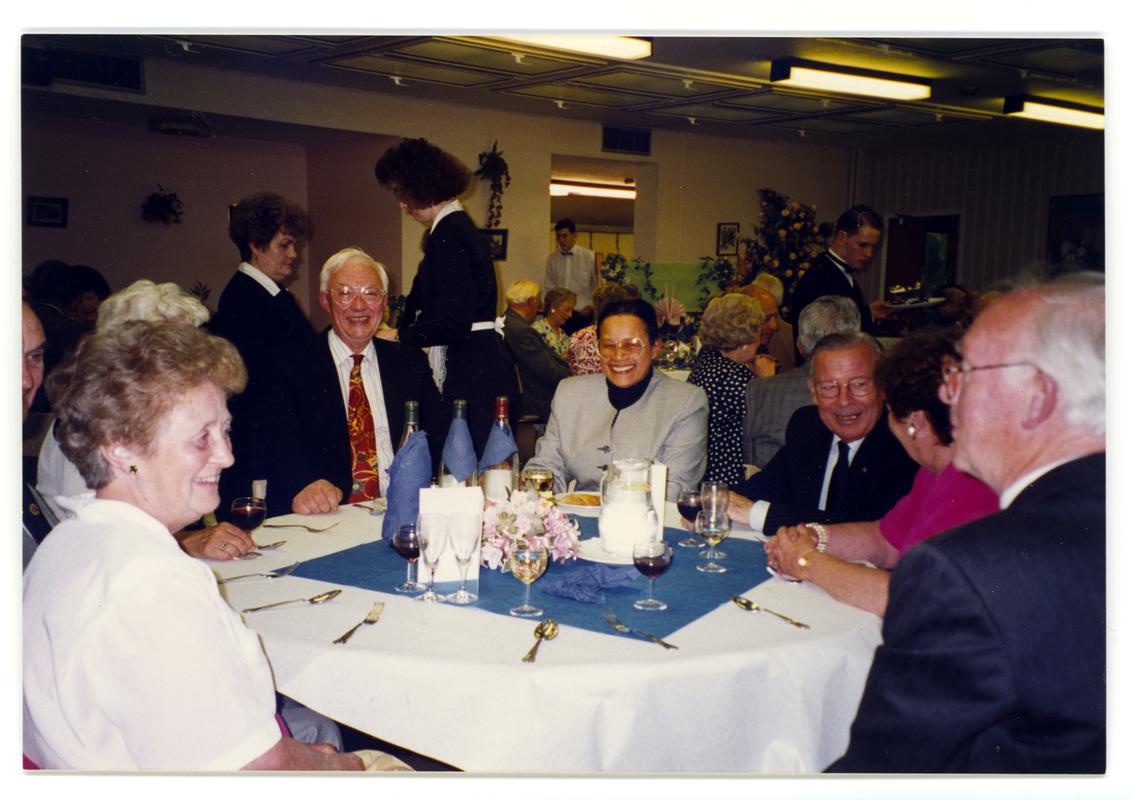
(162,206)
(493,169)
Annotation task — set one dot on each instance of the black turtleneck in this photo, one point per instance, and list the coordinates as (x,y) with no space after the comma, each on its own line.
(622,398)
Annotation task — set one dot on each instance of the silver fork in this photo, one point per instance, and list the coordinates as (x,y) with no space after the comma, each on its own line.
(278,573)
(620,627)
(298,525)
(373,615)
(260,550)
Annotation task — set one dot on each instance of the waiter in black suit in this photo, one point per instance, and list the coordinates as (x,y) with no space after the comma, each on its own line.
(840,462)
(451,308)
(856,241)
(260,317)
(335,410)
(993,657)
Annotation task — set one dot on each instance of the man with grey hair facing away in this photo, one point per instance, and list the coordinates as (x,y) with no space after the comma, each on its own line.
(540,370)
(993,654)
(770,402)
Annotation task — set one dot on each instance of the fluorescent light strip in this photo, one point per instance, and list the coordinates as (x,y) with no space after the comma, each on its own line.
(591,190)
(1058,114)
(828,80)
(625,47)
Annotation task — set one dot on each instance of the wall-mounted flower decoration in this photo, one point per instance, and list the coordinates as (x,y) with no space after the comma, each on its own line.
(493,169)
(162,206)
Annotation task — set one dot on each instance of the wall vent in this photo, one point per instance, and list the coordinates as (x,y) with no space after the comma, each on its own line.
(637,141)
(46,66)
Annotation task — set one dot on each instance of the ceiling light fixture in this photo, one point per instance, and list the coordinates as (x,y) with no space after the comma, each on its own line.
(563,188)
(847,80)
(1054,111)
(626,47)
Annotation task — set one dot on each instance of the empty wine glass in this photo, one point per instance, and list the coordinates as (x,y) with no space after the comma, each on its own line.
(713,531)
(432,532)
(407,545)
(538,479)
(527,561)
(651,557)
(715,498)
(464,531)
(689,503)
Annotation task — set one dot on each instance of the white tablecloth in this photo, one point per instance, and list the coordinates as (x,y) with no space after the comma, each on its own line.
(744,692)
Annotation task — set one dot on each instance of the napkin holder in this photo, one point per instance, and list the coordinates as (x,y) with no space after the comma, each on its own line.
(450,501)
(658,484)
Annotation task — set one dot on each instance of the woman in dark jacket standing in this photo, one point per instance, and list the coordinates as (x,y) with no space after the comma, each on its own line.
(451,307)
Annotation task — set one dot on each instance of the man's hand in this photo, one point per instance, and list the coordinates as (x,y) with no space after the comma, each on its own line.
(880,309)
(319,497)
(764,366)
(787,546)
(222,542)
(738,508)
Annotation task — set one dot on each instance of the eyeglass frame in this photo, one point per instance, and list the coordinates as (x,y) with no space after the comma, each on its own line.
(952,370)
(372,299)
(633,346)
(845,385)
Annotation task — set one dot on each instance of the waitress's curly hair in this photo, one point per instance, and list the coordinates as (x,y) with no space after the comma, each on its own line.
(421,174)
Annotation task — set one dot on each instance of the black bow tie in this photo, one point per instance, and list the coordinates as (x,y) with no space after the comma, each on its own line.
(567,252)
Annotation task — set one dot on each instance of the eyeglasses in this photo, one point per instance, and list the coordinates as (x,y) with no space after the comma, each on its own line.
(955,372)
(633,347)
(857,387)
(344,295)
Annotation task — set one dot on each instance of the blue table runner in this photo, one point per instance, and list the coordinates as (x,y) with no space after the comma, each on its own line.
(689,593)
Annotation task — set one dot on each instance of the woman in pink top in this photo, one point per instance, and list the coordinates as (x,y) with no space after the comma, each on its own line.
(941,497)
(582,349)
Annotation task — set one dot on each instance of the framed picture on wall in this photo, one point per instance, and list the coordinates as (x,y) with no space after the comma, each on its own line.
(497,239)
(726,239)
(47,212)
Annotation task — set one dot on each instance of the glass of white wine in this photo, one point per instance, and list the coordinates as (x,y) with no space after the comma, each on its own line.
(527,561)
(538,479)
(712,530)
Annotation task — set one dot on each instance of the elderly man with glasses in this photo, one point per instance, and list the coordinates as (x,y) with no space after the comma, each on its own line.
(840,463)
(335,411)
(994,642)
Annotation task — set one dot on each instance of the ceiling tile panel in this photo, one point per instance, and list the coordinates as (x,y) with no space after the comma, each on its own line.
(579,94)
(457,54)
(414,70)
(717,113)
(663,85)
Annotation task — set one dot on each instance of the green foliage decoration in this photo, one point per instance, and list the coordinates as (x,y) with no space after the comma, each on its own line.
(615,269)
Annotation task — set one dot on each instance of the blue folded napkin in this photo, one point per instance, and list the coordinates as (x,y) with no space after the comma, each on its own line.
(585,584)
(410,472)
(500,447)
(459,452)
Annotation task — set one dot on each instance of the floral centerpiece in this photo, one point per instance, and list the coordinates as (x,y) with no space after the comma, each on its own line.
(526,515)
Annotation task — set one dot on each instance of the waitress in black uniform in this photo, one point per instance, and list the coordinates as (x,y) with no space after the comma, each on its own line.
(451,307)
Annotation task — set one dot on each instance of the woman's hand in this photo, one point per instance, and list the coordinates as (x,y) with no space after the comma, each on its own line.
(787,546)
(222,542)
(765,366)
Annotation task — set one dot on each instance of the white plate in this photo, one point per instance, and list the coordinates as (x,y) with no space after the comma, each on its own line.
(581,511)
(934,301)
(591,550)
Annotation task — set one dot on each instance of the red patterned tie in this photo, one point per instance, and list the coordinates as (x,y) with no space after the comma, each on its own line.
(363,440)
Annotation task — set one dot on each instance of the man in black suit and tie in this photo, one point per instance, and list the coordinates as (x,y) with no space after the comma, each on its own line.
(993,657)
(539,367)
(334,411)
(260,317)
(37,523)
(856,241)
(840,462)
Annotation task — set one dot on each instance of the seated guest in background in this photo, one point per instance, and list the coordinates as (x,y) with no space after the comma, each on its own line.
(840,462)
(90,289)
(572,267)
(733,327)
(631,411)
(558,304)
(334,410)
(780,347)
(539,368)
(583,356)
(940,499)
(51,288)
(36,524)
(260,317)
(993,654)
(770,403)
(132,659)
(855,241)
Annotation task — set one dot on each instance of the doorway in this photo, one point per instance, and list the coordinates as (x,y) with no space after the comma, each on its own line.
(922,254)
(604,224)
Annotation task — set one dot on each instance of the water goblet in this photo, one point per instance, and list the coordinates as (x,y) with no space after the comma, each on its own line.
(715,498)
(248,513)
(651,557)
(407,545)
(538,479)
(465,532)
(432,532)
(527,561)
(689,504)
(712,531)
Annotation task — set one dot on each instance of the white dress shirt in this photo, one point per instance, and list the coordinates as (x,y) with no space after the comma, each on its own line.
(132,659)
(259,277)
(574,272)
(760,508)
(371,379)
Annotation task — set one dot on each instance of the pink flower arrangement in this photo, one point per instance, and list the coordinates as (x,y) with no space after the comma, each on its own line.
(526,515)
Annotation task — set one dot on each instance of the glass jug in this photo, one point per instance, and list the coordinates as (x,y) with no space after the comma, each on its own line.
(627,515)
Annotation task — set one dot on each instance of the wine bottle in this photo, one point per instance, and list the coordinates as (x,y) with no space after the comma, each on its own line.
(411,421)
(458,449)
(500,478)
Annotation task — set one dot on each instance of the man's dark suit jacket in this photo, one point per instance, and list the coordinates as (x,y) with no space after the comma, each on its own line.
(259,325)
(538,366)
(880,474)
(994,642)
(304,417)
(824,277)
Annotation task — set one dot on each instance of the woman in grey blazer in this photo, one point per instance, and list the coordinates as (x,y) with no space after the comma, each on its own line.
(630,410)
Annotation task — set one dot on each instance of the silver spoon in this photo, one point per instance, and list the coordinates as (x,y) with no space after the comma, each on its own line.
(750,605)
(278,573)
(260,550)
(546,629)
(318,598)
(297,525)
